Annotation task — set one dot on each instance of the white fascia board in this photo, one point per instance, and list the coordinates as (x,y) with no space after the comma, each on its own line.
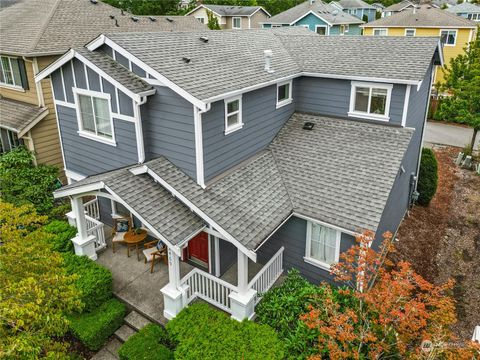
(201,214)
(69,55)
(308,13)
(202,6)
(339,228)
(33,123)
(259,8)
(78,190)
(362,78)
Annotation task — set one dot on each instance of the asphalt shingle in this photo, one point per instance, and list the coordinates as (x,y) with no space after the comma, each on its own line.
(18,116)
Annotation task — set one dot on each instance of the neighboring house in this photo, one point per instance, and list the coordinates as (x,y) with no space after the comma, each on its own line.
(231,17)
(466,10)
(275,150)
(378,6)
(357,8)
(33,34)
(322,18)
(455,32)
(398,7)
(442,3)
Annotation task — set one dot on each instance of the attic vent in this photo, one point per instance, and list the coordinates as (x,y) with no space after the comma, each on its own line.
(169,19)
(204,39)
(152,18)
(186,60)
(94,2)
(134,18)
(308,126)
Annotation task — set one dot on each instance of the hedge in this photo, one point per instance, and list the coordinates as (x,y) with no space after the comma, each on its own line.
(202,332)
(94,328)
(62,233)
(94,281)
(427,177)
(149,343)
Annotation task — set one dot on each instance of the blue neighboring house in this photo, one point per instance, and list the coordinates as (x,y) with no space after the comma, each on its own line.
(466,10)
(322,18)
(268,154)
(357,8)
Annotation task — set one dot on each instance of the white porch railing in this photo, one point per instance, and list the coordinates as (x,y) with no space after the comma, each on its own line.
(95,228)
(207,287)
(92,209)
(266,277)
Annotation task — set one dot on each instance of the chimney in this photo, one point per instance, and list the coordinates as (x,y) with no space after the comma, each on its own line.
(268,60)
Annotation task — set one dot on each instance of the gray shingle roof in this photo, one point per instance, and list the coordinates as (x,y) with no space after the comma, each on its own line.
(18,116)
(127,78)
(464,8)
(424,16)
(229,10)
(354,4)
(54,26)
(398,6)
(325,11)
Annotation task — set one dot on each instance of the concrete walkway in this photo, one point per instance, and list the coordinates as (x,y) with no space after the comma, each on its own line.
(446,134)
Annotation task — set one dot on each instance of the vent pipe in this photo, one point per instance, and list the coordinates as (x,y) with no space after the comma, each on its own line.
(268,54)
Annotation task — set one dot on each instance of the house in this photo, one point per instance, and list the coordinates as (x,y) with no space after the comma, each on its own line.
(35,33)
(322,18)
(231,17)
(398,7)
(378,6)
(275,151)
(455,32)
(357,8)
(466,10)
(444,3)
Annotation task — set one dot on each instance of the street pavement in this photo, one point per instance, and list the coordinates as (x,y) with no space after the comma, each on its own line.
(453,135)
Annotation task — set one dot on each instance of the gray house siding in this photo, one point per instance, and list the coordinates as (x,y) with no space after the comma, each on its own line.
(292,235)
(168,129)
(261,122)
(332,97)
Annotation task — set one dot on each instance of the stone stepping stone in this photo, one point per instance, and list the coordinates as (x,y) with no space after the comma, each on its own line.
(104,354)
(124,333)
(136,320)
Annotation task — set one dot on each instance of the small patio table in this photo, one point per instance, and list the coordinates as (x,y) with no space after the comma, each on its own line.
(134,238)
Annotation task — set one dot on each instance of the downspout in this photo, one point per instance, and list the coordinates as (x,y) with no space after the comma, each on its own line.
(139,130)
(197,119)
(38,85)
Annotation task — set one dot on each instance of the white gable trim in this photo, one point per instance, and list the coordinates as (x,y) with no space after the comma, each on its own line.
(311,12)
(33,123)
(204,7)
(260,8)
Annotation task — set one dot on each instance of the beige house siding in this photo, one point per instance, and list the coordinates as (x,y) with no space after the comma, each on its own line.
(257,18)
(225,22)
(229,22)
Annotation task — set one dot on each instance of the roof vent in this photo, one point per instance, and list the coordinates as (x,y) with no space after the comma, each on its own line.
(94,2)
(112,17)
(116,23)
(134,18)
(204,39)
(186,60)
(169,19)
(268,54)
(121,12)
(152,18)
(308,126)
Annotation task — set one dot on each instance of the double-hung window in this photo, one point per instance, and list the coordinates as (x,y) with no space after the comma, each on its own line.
(448,37)
(236,22)
(370,100)
(380,32)
(409,32)
(13,140)
(10,72)
(94,117)
(322,245)
(233,114)
(284,94)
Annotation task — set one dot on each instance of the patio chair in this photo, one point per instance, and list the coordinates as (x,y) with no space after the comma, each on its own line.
(121,226)
(155,250)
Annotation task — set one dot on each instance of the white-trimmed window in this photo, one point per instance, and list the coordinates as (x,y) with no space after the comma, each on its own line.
(344,29)
(410,32)
(284,93)
(370,100)
(94,117)
(380,32)
(233,114)
(201,19)
(448,37)
(13,140)
(10,72)
(236,22)
(322,245)
(321,29)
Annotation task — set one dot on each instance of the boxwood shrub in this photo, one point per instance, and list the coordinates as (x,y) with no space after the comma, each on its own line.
(62,233)
(94,281)
(94,328)
(427,177)
(201,332)
(150,343)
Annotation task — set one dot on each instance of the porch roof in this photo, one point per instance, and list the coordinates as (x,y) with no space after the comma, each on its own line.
(18,116)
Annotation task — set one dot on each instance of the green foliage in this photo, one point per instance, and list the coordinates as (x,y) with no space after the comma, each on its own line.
(36,293)
(94,281)
(21,182)
(365,18)
(148,344)
(148,7)
(212,21)
(62,233)
(427,177)
(94,328)
(202,332)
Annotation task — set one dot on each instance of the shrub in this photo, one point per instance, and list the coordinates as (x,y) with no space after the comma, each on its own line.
(149,343)
(428,177)
(202,332)
(94,328)
(62,233)
(94,281)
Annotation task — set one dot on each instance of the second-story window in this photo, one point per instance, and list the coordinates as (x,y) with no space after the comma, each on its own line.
(409,32)
(379,32)
(94,118)
(284,94)
(233,114)
(448,37)
(237,22)
(370,100)
(10,72)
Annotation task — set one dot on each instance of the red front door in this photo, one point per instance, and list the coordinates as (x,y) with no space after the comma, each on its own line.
(198,247)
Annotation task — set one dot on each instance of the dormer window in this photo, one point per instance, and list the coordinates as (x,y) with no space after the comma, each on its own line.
(284,93)
(370,100)
(233,114)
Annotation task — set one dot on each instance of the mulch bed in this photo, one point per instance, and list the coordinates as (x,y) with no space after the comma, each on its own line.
(77,348)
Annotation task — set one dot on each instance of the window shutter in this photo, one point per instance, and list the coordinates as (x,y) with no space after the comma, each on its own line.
(23,73)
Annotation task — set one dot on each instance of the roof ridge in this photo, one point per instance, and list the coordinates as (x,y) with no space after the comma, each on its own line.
(45,25)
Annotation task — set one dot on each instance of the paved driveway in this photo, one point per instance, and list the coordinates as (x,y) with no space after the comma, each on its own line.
(453,135)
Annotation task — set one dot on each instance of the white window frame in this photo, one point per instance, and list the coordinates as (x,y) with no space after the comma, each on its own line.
(380,29)
(13,86)
(10,135)
(368,115)
(327,29)
(449,30)
(308,246)
(200,19)
(231,129)
(289,99)
(414,32)
(89,134)
(306,26)
(233,22)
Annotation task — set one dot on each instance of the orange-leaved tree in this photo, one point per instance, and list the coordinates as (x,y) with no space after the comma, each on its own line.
(390,311)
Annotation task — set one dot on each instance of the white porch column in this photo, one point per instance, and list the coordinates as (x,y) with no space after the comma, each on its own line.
(84,244)
(242,302)
(172,293)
